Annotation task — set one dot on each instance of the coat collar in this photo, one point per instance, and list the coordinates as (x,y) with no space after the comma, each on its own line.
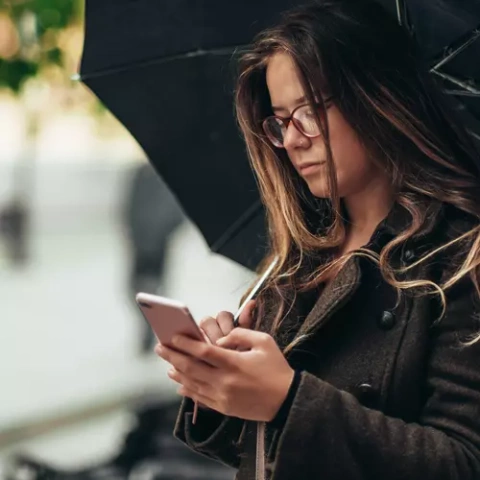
(345,284)
(399,218)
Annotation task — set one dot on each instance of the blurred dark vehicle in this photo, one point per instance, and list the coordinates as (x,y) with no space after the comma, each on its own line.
(151,214)
(148,452)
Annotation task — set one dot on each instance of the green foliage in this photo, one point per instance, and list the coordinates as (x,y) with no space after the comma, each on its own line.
(14,72)
(37,51)
(54,55)
(51,14)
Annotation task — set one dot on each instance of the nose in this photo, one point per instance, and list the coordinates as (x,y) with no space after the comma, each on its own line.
(293,138)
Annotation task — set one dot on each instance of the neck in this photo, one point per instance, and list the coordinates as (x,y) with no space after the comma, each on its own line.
(367,208)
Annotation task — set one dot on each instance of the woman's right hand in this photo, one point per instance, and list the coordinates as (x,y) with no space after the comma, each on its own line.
(222,324)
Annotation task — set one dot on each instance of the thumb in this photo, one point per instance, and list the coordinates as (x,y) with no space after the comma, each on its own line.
(239,339)
(245,320)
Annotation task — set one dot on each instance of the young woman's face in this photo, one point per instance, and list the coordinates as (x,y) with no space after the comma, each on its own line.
(353,167)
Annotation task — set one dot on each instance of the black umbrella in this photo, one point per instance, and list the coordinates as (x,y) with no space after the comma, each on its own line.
(164,69)
(448,32)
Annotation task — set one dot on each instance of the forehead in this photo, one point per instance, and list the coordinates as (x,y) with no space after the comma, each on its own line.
(283,80)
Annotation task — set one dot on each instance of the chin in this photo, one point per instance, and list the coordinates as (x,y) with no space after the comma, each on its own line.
(318,188)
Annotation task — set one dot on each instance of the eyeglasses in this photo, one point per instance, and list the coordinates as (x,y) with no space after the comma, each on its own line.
(303,118)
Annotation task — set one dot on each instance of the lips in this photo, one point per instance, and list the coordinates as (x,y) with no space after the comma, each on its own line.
(308,169)
(306,165)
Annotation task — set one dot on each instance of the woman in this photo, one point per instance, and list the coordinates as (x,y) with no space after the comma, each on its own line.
(364,358)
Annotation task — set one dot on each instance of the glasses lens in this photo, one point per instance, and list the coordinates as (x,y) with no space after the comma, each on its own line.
(306,121)
(275,130)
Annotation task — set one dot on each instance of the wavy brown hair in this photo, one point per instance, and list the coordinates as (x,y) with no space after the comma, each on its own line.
(358,53)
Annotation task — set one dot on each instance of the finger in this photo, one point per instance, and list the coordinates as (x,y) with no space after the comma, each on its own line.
(186,381)
(225,322)
(211,354)
(245,320)
(243,339)
(211,329)
(171,356)
(197,397)
(186,364)
(200,388)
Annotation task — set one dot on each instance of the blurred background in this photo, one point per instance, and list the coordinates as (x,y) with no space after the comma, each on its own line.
(84,224)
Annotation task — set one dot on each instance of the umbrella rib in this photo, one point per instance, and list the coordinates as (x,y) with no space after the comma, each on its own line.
(147,63)
(461,93)
(451,54)
(473,134)
(398,12)
(237,226)
(400,9)
(403,17)
(469,88)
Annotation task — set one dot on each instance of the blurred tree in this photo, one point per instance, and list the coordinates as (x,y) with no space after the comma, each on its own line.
(29,32)
(30,44)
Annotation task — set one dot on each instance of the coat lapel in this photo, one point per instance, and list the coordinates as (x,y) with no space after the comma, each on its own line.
(335,294)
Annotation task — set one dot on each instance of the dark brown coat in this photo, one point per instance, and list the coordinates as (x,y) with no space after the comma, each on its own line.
(385,394)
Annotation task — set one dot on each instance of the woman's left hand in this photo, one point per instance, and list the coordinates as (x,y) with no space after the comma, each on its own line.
(250,384)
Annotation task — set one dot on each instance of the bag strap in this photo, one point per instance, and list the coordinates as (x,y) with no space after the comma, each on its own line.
(260,453)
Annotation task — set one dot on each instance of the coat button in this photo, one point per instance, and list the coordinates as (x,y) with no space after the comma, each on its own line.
(408,256)
(387,320)
(366,394)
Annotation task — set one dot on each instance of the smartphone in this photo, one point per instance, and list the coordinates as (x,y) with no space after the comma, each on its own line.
(168,318)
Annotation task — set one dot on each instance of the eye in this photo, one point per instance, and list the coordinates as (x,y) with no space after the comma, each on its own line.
(307,113)
(328,101)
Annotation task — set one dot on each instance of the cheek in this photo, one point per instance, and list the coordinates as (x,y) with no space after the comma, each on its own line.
(352,162)
(350,156)
(353,167)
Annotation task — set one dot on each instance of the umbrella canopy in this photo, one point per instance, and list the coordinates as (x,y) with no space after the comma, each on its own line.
(165,70)
(448,32)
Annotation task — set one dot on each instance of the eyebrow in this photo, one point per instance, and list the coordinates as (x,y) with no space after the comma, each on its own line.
(297,102)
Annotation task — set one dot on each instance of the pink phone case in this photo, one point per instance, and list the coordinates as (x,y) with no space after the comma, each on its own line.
(168,317)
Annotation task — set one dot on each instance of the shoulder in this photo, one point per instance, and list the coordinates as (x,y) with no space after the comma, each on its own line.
(452,234)
(455,223)
(459,233)
(451,241)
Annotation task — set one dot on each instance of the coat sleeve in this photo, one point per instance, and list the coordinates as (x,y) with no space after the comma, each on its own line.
(214,435)
(329,434)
